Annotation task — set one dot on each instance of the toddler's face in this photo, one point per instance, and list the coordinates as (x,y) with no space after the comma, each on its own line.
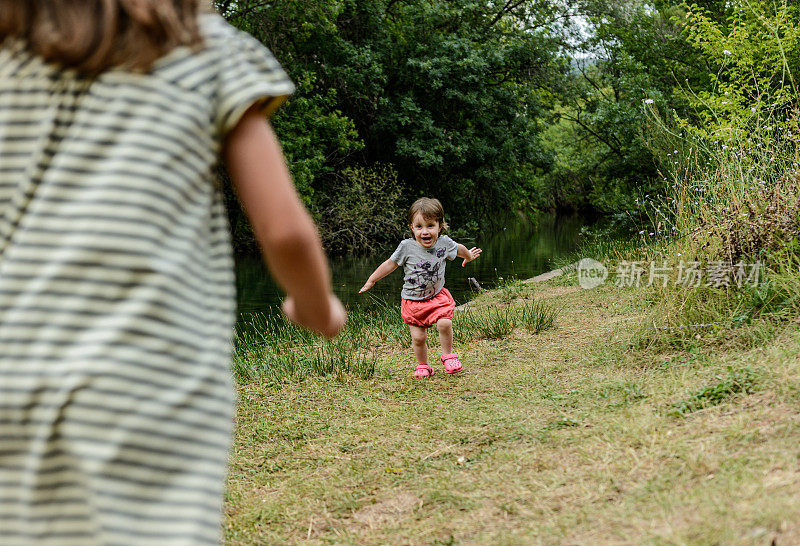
(425,230)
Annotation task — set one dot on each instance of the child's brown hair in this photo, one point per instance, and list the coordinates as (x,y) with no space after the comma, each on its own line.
(95,35)
(430,209)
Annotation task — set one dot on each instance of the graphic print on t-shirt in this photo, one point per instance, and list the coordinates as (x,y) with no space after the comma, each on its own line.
(426,275)
(423,268)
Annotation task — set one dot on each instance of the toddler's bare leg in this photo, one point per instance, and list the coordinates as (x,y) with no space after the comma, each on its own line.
(419,339)
(445,327)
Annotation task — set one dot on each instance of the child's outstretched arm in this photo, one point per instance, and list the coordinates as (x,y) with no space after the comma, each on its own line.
(281,224)
(384,269)
(467,254)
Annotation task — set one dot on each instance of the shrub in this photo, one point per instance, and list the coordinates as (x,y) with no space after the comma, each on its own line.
(363,211)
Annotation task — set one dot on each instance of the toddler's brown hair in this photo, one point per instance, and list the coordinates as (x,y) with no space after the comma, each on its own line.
(430,209)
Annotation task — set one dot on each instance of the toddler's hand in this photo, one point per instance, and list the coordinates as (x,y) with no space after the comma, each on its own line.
(474,252)
(310,319)
(367,286)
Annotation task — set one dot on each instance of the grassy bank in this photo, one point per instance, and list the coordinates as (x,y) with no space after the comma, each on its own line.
(658,413)
(584,433)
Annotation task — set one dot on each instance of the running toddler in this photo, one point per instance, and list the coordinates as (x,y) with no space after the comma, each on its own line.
(425,300)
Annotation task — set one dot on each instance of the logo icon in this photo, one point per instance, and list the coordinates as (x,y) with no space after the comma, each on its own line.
(591,273)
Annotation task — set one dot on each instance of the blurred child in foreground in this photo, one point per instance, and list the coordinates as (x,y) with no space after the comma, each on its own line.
(117,298)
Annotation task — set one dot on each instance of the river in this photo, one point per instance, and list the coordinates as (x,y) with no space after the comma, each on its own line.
(521,250)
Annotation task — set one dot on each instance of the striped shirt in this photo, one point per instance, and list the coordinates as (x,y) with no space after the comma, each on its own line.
(117,294)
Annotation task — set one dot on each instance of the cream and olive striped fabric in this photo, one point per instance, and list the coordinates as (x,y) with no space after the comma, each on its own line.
(117,294)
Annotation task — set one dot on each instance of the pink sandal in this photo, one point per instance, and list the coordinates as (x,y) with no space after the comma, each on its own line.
(423,370)
(451,363)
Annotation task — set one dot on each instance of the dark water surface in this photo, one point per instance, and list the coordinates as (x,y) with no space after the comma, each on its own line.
(522,249)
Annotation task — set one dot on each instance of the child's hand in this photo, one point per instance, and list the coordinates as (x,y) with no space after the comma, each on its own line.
(473,252)
(367,286)
(329,327)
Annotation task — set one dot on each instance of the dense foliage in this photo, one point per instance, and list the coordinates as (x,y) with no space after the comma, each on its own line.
(519,104)
(428,97)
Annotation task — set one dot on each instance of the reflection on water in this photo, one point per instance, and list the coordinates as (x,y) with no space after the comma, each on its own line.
(522,249)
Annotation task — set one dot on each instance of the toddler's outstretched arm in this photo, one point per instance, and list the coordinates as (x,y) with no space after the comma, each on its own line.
(384,269)
(281,224)
(467,254)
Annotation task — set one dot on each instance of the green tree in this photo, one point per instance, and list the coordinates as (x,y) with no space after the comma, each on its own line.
(455,94)
(449,95)
(630,53)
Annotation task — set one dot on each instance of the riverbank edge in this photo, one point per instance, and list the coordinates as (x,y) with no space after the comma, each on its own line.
(588,425)
(552,274)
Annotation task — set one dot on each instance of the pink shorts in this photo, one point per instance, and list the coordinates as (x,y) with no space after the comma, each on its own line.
(425,313)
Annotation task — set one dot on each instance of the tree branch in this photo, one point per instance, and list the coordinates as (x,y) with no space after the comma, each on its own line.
(588,79)
(588,129)
(510,5)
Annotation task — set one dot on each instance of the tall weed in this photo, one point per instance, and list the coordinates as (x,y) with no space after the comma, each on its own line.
(499,322)
(270,349)
(492,323)
(734,169)
(537,317)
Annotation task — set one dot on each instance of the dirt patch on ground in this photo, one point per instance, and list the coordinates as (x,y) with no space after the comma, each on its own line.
(386,511)
(547,292)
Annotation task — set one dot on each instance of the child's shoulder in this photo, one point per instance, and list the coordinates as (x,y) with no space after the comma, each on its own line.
(406,244)
(222,43)
(216,30)
(208,60)
(403,251)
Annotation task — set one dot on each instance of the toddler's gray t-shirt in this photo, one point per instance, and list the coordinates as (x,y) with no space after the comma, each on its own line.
(423,268)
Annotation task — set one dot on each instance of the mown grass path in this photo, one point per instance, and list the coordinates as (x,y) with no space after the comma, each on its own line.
(565,437)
